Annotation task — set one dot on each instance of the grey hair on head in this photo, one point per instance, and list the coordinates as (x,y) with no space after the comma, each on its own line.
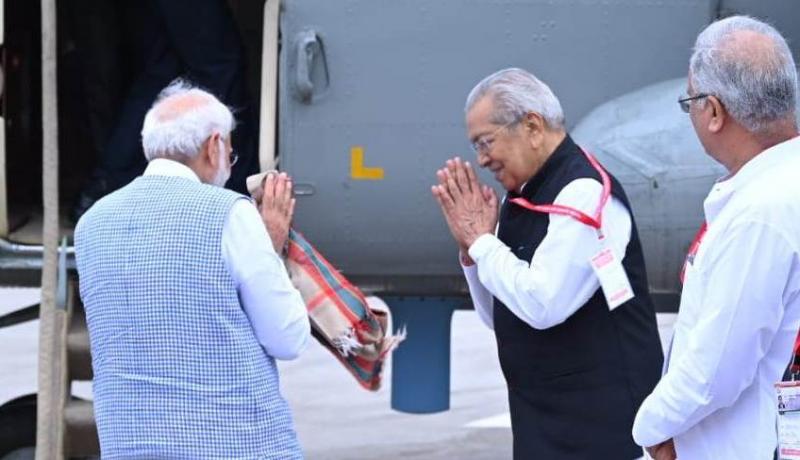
(516,92)
(756,80)
(175,130)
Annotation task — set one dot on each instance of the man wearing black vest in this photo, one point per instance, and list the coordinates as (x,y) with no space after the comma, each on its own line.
(578,355)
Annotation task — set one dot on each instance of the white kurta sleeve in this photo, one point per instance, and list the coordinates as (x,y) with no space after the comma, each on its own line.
(743,278)
(559,279)
(275,308)
(482,299)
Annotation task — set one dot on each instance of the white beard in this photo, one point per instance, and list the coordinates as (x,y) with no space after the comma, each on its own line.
(222,175)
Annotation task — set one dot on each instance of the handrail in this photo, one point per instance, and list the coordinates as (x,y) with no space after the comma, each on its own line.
(29,249)
(269,86)
(26,257)
(52,330)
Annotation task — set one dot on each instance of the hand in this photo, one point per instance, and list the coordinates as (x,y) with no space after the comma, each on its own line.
(469,208)
(276,205)
(663,451)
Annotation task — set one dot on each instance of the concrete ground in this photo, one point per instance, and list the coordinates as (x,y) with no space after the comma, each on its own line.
(337,419)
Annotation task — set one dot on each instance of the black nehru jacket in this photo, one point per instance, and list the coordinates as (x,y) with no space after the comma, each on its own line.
(574,388)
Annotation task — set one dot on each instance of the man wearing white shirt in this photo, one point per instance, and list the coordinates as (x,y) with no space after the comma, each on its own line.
(188,304)
(577,367)
(740,309)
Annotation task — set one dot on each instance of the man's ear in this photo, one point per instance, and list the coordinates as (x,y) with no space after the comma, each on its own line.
(718,114)
(212,150)
(534,125)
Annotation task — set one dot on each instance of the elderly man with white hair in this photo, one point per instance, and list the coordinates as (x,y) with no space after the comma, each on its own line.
(187,302)
(740,309)
(579,348)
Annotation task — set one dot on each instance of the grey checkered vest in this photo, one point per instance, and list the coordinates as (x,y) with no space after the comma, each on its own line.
(178,370)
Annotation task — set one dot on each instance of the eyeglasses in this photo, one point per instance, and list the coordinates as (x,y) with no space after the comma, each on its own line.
(484,143)
(686,102)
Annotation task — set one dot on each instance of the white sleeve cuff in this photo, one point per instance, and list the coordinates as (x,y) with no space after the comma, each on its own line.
(482,299)
(470,271)
(485,244)
(646,432)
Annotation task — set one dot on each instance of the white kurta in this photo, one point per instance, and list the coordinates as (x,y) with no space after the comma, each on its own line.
(545,291)
(738,319)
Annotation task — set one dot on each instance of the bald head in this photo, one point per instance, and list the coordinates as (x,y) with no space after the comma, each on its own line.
(749,46)
(172,107)
(181,120)
(749,67)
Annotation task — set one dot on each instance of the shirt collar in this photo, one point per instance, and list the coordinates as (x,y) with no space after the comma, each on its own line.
(172,168)
(562,153)
(724,189)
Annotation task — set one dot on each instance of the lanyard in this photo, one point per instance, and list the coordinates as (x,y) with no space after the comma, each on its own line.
(693,248)
(595,221)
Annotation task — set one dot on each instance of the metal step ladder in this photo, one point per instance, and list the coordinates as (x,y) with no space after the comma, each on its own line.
(65,426)
(68,422)
(80,430)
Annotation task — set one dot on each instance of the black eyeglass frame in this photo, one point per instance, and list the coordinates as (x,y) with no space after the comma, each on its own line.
(685,102)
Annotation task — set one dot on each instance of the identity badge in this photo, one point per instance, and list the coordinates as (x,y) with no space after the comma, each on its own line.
(613,279)
(788,408)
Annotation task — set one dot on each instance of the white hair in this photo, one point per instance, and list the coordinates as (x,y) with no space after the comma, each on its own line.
(516,92)
(754,80)
(171,131)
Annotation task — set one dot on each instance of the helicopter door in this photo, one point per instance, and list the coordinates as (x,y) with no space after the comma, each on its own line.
(372,95)
(3,194)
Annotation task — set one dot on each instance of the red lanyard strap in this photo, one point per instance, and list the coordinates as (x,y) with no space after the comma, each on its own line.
(558,209)
(693,248)
(595,222)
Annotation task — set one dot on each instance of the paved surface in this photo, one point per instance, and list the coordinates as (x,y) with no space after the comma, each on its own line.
(336,419)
